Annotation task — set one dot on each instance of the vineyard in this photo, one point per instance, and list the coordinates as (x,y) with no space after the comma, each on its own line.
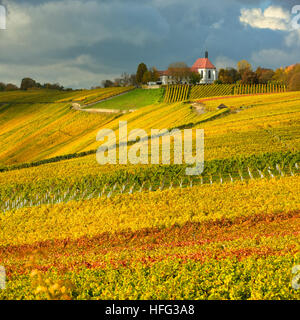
(258,89)
(175,93)
(124,181)
(72,229)
(93,255)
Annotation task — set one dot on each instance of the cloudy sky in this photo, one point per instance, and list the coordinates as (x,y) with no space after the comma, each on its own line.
(78,43)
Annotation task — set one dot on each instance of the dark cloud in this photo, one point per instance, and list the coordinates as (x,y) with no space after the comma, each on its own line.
(81,42)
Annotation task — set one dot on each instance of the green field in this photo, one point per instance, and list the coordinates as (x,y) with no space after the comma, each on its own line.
(135,99)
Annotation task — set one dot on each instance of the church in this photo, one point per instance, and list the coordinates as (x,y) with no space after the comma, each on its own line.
(203,66)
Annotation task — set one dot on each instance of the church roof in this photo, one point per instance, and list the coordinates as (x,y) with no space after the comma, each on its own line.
(203,63)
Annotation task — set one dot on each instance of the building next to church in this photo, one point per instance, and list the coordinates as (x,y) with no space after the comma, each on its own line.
(203,66)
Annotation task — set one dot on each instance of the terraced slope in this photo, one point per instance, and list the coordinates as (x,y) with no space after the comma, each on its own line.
(176,244)
(37,131)
(37,124)
(33,132)
(75,229)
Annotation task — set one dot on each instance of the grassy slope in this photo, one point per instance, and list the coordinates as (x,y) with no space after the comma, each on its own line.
(31,132)
(135,99)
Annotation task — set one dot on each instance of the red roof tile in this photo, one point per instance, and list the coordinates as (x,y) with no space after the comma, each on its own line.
(202,63)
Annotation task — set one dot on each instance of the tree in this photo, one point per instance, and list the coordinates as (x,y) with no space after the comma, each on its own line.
(11,87)
(294,83)
(142,68)
(2,86)
(28,83)
(243,65)
(290,71)
(195,77)
(280,76)
(154,74)
(147,77)
(264,76)
(179,71)
(107,83)
(218,81)
(229,75)
(249,77)
(133,80)
(223,76)
(51,86)
(293,77)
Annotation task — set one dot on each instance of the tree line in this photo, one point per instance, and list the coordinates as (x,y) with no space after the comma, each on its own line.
(143,75)
(244,74)
(30,84)
(181,73)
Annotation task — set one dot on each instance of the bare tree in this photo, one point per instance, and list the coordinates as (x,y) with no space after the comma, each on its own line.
(179,71)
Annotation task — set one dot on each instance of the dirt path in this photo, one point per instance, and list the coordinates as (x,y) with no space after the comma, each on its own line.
(77,107)
(199,107)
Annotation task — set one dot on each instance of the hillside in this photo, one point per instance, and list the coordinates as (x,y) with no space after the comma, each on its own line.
(36,124)
(150,231)
(35,131)
(132,100)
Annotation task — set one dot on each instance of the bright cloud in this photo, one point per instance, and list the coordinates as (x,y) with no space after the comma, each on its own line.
(274,18)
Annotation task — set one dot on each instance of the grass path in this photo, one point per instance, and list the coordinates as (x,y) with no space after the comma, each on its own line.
(78,107)
(132,100)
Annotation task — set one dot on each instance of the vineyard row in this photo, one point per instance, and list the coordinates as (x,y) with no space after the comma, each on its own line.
(108,190)
(176,93)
